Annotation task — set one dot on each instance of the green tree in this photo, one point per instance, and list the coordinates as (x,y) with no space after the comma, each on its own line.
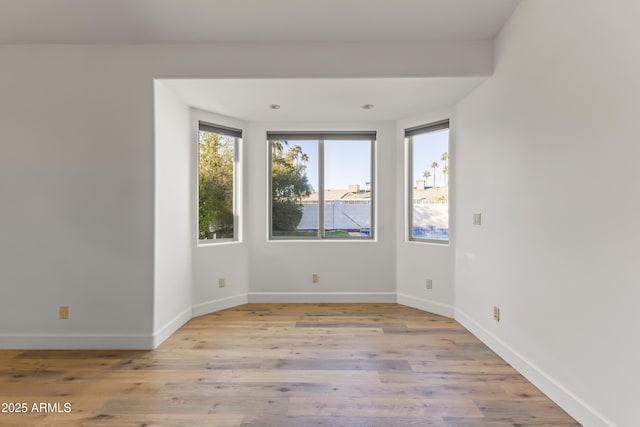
(215,186)
(434,165)
(445,169)
(289,185)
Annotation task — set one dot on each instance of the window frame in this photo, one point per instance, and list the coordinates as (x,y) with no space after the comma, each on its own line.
(321,138)
(409,133)
(236,134)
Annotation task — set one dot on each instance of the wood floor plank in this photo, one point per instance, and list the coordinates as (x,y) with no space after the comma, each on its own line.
(80,354)
(337,364)
(515,409)
(388,407)
(320,421)
(481,366)
(348,324)
(63,389)
(9,354)
(220,404)
(260,390)
(285,365)
(500,422)
(246,375)
(128,420)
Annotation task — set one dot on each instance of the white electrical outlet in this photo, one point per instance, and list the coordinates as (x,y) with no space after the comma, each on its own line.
(221,283)
(314,278)
(477,219)
(429,284)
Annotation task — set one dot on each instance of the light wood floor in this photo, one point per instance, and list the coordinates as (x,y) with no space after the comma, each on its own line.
(284,365)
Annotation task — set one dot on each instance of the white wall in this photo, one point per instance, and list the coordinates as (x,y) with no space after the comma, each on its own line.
(418,261)
(76,188)
(173,217)
(227,260)
(348,270)
(77,185)
(553,131)
(77,172)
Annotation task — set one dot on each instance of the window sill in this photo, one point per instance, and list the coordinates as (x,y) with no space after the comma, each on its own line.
(330,240)
(217,242)
(434,242)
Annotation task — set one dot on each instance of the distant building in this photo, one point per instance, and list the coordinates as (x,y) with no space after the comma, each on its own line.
(430,194)
(348,210)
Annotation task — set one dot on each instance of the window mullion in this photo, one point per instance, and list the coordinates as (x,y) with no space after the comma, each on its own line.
(269,189)
(234,202)
(372,197)
(409,187)
(321,188)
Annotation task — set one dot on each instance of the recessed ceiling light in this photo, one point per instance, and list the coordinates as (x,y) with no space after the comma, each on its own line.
(274,106)
(367,106)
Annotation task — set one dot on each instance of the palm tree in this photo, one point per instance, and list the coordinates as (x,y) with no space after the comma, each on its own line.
(445,169)
(277,147)
(426,175)
(434,165)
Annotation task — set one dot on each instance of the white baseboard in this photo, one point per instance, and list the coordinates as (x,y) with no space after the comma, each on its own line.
(576,407)
(171,327)
(218,304)
(322,297)
(426,305)
(115,341)
(76,341)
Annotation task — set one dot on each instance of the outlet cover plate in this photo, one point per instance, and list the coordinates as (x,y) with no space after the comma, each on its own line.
(477,219)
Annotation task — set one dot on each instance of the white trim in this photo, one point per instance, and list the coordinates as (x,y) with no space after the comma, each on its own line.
(322,297)
(160,335)
(217,242)
(426,305)
(321,138)
(324,240)
(76,341)
(218,304)
(195,117)
(116,341)
(576,407)
(571,403)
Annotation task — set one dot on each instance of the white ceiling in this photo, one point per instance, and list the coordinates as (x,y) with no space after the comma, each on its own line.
(249,21)
(322,99)
(274,21)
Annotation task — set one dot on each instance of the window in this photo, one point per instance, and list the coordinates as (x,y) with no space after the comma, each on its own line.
(321,185)
(428,167)
(217,168)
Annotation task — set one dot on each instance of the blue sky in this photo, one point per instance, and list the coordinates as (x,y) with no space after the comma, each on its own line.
(346,162)
(428,148)
(349,162)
